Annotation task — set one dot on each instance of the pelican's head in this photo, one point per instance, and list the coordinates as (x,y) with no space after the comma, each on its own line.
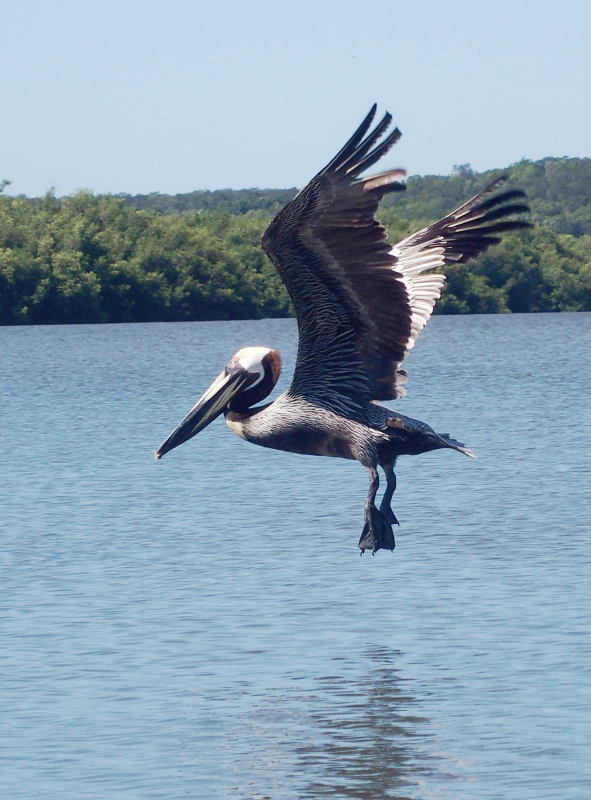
(249,376)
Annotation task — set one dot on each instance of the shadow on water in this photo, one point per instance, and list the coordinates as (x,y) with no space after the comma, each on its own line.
(353,733)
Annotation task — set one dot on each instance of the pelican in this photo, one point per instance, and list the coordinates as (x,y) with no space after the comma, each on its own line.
(360,305)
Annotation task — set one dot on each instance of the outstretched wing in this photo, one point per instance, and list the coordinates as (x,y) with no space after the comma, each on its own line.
(360,303)
(456,238)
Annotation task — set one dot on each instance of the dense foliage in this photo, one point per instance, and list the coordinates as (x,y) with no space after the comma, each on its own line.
(87,258)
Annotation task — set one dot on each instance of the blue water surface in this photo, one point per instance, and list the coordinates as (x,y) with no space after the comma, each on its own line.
(203,627)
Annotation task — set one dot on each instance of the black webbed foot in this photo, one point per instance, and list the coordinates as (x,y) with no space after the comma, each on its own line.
(389,515)
(377,532)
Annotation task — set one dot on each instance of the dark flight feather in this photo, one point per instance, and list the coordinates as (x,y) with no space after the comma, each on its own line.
(361,303)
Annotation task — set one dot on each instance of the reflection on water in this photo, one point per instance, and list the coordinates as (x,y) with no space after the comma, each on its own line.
(351,733)
(366,731)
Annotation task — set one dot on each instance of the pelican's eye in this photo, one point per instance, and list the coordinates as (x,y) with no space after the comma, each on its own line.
(233,366)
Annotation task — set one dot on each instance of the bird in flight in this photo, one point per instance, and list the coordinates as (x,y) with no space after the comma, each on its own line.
(360,304)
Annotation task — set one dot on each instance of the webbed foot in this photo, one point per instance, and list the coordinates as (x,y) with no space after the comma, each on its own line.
(377,532)
(389,515)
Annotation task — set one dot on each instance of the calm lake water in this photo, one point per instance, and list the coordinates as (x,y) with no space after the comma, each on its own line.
(204,628)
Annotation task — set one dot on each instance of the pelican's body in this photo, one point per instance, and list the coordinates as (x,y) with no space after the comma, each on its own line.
(360,305)
(375,436)
(298,426)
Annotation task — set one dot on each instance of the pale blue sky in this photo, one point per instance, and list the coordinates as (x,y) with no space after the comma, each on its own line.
(171,96)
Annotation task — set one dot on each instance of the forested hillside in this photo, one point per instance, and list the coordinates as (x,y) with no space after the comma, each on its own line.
(87,258)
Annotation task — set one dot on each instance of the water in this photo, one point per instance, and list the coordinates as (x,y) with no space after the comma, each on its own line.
(203,627)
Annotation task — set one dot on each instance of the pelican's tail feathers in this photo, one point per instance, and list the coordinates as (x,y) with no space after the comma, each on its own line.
(455,445)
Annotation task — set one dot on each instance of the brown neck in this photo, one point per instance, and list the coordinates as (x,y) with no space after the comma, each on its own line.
(245,400)
(236,415)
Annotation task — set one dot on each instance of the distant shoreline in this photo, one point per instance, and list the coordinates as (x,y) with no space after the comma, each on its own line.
(90,258)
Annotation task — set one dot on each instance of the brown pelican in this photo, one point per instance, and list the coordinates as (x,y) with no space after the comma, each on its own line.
(360,305)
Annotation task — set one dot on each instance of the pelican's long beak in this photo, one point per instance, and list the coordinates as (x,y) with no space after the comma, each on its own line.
(209,406)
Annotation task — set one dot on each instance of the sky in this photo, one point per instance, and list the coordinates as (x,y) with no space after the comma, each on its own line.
(138,96)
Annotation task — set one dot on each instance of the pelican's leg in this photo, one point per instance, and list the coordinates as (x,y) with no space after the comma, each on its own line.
(377,531)
(385,506)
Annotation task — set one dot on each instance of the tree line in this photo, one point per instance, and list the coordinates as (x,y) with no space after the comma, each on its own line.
(87,258)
